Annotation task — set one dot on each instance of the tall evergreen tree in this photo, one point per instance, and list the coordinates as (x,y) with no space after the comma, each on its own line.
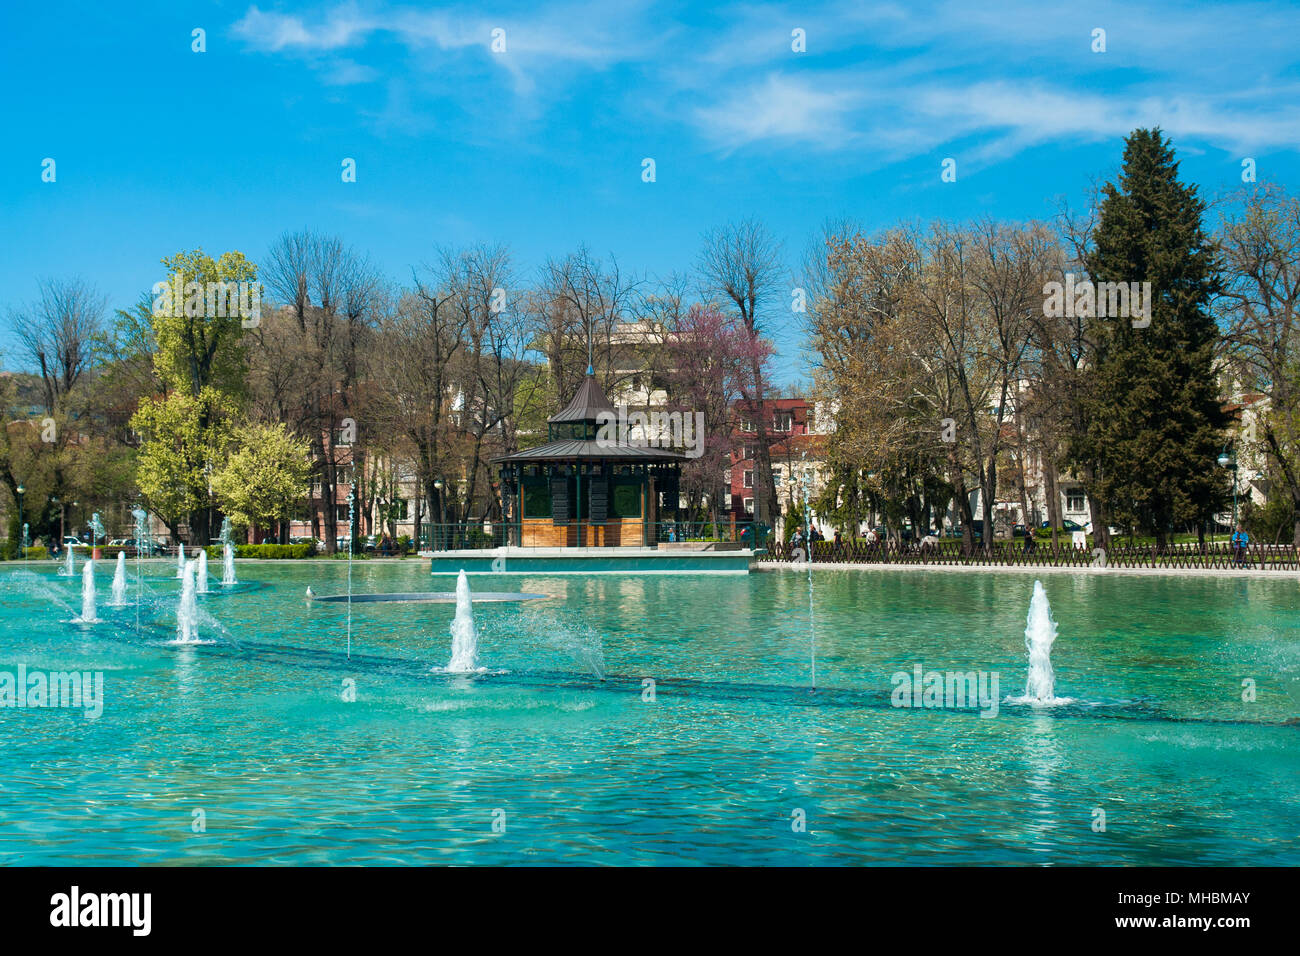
(1155,423)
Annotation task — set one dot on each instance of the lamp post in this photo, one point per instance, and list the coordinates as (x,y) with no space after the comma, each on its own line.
(22,543)
(442,515)
(1229,461)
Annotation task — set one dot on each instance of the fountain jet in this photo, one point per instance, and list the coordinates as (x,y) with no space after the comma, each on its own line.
(119,581)
(88,594)
(203,571)
(187,610)
(464,637)
(67,569)
(1040,632)
(228,565)
(180,561)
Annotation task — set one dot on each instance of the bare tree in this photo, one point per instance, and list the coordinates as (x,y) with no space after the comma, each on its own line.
(740,267)
(1261,247)
(332,294)
(59,334)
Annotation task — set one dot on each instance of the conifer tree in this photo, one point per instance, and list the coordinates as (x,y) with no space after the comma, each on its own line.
(1154,419)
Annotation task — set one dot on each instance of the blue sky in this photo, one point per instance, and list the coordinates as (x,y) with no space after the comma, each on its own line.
(159,148)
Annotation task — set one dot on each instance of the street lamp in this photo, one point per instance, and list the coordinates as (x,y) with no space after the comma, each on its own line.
(22,542)
(1229,461)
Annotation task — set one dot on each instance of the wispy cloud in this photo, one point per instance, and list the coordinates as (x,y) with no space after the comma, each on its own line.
(905,80)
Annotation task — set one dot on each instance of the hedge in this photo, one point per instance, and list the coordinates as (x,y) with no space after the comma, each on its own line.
(272,551)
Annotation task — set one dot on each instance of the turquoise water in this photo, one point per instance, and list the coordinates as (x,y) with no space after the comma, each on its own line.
(734,750)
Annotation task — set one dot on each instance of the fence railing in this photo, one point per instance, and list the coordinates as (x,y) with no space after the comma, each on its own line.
(1272,557)
(479,536)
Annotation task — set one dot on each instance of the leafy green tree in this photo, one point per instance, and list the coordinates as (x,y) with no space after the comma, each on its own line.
(185,439)
(1154,419)
(200,359)
(264,476)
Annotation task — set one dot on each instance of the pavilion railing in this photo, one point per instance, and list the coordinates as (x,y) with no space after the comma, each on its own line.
(476,536)
(1272,557)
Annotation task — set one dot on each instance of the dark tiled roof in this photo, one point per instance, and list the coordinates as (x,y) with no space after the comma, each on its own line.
(572,449)
(586,404)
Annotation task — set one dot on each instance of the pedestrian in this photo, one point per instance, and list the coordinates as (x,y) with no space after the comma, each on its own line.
(1240,545)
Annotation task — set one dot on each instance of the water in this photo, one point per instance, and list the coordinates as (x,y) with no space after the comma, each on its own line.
(119,582)
(88,615)
(68,564)
(187,612)
(180,562)
(464,638)
(253,727)
(202,574)
(228,565)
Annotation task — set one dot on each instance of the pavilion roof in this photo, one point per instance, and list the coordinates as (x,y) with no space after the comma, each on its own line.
(574,449)
(587,403)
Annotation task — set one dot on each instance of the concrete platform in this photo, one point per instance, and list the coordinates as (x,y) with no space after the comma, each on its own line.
(591,561)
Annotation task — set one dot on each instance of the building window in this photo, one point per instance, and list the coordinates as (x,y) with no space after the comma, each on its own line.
(748,479)
(625,499)
(747,426)
(340,512)
(782,421)
(1074,500)
(777,472)
(749,505)
(747,452)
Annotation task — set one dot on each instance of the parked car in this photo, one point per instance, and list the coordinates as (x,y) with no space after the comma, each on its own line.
(1066,525)
(71,542)
(1019,531)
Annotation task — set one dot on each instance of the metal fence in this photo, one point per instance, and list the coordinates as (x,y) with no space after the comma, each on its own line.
(1272,557)
(476,536)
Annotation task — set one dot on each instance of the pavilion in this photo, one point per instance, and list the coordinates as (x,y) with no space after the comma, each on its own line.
(581,491)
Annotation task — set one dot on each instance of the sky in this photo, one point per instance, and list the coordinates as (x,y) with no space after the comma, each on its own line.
(540,143)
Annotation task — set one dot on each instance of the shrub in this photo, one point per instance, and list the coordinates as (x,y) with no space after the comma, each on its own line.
(266,551)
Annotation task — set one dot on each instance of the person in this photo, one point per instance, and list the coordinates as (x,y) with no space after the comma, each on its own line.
(1030,544)
(1240,545)
(796,542)
(837,547)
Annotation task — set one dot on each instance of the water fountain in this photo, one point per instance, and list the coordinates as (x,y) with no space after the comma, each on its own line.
(119,582)
(187,611)
(464,638)
(203,571)
(227,556)
(87,595)
(67,571)
(180,561)
(96,533)
(1040,632)
(142,546)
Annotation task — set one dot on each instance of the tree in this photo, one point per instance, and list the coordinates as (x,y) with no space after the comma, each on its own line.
(1154,419)
(739,267)
(712,358)
(59,335)
(335,298)
(185,440)
(264,475)
(201,362)
(1261,245)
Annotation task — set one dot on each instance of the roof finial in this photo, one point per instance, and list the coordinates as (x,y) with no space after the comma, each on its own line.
(591,368)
